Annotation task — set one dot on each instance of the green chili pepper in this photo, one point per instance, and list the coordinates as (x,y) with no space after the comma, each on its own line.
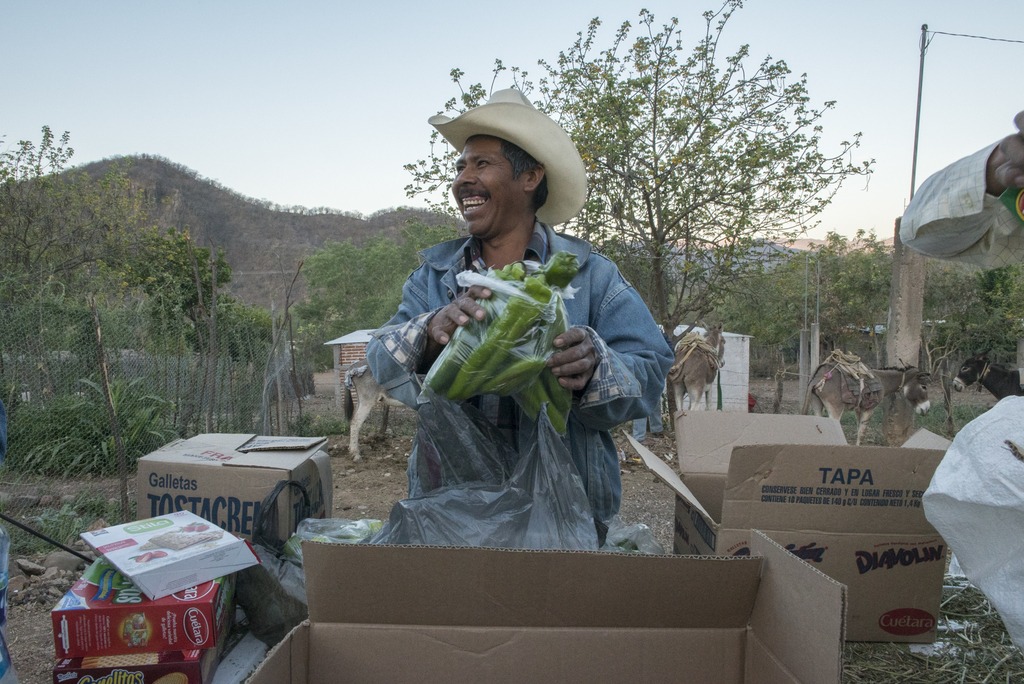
(496,364)
(560,269)
(493,353)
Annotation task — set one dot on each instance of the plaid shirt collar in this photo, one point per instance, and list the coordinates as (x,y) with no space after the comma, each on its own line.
(536,249)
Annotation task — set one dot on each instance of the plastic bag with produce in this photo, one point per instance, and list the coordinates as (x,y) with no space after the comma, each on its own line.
(505,354)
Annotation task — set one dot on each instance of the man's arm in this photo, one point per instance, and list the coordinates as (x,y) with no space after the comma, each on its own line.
(618,367)
(956,213)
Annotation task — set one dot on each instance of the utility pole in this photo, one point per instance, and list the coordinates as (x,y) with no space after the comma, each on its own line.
(906,298)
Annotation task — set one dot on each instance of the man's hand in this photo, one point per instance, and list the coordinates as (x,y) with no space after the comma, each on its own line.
(574,364)
(459,312)
(1006,163)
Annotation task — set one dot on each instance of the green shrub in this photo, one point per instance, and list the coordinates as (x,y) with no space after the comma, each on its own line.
(85,443)
(62,524)
(308,425)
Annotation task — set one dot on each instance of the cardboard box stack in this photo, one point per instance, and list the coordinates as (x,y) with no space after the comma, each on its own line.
(105,627)
(853,512)
(158,605)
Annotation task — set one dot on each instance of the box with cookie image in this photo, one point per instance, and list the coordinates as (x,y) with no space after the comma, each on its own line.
(172,667)
(171,552)
(103,613)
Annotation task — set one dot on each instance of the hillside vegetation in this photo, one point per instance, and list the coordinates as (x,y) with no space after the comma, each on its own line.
(262,242)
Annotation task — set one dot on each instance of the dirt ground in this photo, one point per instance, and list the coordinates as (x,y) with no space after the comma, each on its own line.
(369,489)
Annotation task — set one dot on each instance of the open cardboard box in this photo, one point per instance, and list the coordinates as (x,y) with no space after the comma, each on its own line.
(225,477)
(439,614)
(853,512)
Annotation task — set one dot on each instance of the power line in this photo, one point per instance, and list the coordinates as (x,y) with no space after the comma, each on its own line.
(926,41)
(967,35)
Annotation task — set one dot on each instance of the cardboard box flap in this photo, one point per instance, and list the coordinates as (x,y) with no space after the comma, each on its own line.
(826,487)
(222,449)
(411,585)
(667,475)
(705,438)
(925,439)
(281,443)
(783,631)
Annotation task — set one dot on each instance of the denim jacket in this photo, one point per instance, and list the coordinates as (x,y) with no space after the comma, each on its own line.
(633,356)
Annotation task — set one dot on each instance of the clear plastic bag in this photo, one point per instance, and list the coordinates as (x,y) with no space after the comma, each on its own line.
(471,499)
(505,354)
(330,530)
(455,445)
(631,538)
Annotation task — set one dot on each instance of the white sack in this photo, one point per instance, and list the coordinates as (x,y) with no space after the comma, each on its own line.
(976,502)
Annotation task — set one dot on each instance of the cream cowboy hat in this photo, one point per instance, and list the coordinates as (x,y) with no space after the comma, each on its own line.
(510,116)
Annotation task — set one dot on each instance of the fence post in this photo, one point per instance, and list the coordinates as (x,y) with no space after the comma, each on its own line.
(804,364)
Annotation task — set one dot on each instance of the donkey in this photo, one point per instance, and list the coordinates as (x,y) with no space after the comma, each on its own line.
(995,377)
(368,393)
(841,385)
(696,366)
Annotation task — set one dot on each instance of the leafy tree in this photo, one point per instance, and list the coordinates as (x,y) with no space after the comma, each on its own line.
(854,279)
(692,158)
(842,285)
(956,321)
(173,271)
(994,320)
(56,225)
(772,305)
(353,288)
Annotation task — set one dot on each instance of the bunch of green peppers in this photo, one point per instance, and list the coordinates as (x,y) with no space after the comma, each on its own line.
(506,353)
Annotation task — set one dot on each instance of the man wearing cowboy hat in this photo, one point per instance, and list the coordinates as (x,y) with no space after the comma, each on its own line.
(517,175)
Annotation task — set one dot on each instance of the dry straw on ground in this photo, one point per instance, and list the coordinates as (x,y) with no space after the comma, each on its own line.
(972,648)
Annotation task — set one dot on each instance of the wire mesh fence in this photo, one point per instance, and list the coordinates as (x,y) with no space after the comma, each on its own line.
(89,390)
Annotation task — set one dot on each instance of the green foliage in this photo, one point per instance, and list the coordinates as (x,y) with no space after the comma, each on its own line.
(64,524)
(87,444)
(853,280)
(57,225)
(844,285)
(354,288)
(176,276)
(244,332)
(692,158)
(308,425)
(1002,299)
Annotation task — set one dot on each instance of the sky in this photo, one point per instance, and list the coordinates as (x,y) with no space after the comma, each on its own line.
(321,104)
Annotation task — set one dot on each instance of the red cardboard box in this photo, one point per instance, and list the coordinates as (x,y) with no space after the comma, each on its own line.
(105,614)
(174,667)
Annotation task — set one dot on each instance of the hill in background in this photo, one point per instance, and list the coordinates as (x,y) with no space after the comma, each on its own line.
(262,242)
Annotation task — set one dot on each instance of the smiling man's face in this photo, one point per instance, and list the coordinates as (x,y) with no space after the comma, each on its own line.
(492,202)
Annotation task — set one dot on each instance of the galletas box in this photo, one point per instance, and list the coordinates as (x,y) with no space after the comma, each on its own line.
(224,478)
(103,613)
(170,667)
(853,512)
(171,552)
(423,614)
